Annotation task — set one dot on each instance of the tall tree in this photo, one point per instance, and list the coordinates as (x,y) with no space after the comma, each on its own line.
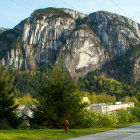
(8,118)
(59,100)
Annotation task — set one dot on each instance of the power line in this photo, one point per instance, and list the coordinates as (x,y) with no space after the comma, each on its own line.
(21,5)
(128,16)
(121,8)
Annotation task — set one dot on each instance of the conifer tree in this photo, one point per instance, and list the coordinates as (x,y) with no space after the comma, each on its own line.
(8,118)
(59,100)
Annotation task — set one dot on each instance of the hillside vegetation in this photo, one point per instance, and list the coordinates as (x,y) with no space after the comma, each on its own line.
(122,67)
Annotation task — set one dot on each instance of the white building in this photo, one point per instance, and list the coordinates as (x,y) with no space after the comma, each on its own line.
(104,108)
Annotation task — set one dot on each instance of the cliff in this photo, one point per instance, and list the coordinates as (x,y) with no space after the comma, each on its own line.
(84,42)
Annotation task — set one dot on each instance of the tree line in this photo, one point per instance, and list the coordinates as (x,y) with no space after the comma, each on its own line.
(59,98)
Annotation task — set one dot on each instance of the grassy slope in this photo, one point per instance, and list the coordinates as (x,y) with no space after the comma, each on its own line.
(50,134)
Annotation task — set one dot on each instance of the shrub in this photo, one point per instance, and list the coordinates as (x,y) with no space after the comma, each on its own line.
(136,112)
(51,13)
(90,119)
(93,118)
(124,116)
(4,124)
(107,120)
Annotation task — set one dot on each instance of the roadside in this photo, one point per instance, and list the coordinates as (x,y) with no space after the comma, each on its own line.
(54,134)
(127,133)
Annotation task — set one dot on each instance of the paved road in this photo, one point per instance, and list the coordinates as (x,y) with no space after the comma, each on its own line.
(127,133)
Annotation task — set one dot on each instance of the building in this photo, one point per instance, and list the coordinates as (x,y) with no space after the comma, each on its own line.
(105,108)
(24,110)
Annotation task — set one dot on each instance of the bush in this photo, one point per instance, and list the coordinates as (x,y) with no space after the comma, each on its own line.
(90,119)
(133,119)
(124,116)
(107,119)
(51,13)
(4,124)
(93,118)
(136,112)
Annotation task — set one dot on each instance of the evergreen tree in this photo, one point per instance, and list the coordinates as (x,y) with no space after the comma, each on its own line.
(8,118)
(102,84)
(59,100)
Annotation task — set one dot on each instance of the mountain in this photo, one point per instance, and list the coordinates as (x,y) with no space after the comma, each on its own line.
(84,42)
(2,30)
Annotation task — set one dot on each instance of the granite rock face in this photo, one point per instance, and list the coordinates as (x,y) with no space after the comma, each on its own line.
(136,77)
(83,42)
(116,33)
(83,52)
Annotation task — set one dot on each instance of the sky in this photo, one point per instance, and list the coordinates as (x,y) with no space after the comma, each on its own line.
(13,11)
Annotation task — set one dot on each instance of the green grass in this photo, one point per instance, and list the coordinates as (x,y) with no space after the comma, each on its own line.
(51,134)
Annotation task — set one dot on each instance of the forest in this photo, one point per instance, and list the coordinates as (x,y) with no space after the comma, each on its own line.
(29,83)
(53,96)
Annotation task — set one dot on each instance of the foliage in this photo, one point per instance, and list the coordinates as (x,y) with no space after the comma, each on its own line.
(123,66)
(107,120)
(102,98)
(82,27)
(78,70)
(136,112)
(17,44)
(6,39)
(101,88)
(98,119)
(51,13)
(25,100)
(119,23)
(27,81)
(91,119)
(99,98)
(59,100)
(8,118)
(51,134)
(131,99)
(137,85)
(102,84)
(124,116)
(3,30)
(6,35)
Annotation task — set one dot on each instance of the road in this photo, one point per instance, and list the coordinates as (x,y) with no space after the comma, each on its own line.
(127,133)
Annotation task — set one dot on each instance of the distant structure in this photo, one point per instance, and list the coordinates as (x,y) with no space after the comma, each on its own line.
(85,99)
(106,108)
(24,110)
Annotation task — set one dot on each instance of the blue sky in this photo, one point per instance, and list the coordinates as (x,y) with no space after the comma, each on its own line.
(13,11)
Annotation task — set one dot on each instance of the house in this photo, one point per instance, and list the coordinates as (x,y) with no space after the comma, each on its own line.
(105,108)
(24,110)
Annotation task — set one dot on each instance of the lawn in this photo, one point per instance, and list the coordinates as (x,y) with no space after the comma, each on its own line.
(49,134)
